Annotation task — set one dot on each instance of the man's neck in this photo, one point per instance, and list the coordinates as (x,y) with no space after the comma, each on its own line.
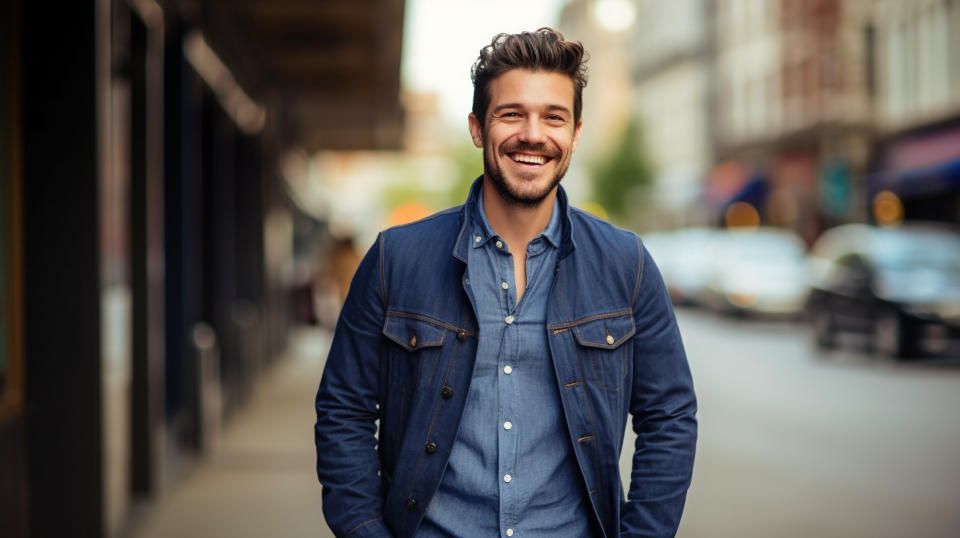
(516,224)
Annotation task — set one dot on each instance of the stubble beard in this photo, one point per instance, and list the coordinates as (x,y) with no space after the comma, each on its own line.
(511,195)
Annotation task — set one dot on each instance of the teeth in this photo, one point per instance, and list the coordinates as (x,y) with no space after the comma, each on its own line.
(529,159)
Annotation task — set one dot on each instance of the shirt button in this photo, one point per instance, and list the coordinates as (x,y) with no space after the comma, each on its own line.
(504,285)
(499,244)
(446,392)
(431,447)
(478,239)
(609,340)
(507,425)
(508,320)
(507,478)
(508,369)
(509,532)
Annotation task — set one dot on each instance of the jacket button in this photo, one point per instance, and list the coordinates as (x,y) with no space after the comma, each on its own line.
(411,504)
(446,392)
(462,335)
(431,447)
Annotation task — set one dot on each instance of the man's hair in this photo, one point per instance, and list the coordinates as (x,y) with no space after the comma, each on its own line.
(543,50)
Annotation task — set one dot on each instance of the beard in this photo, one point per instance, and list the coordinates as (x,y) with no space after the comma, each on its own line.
(509,193)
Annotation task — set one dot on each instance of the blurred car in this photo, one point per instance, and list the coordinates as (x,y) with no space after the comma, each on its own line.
(758,271)
(688,263)
(899,286)
(660,246)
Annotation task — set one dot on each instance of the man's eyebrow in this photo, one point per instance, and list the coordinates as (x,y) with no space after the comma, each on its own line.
(552,108)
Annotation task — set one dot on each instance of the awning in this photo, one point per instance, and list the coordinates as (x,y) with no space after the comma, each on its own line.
(753,192)
(929,180)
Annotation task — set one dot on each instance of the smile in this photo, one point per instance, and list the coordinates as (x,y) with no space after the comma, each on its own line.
(528,158)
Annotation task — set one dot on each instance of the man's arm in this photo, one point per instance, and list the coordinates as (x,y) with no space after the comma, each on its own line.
(664,407)
(345,434)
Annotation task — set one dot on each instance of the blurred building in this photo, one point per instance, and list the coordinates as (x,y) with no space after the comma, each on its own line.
(913,72)
(607,98)
(671,68)
(791,110)
(148,234)
(821,105)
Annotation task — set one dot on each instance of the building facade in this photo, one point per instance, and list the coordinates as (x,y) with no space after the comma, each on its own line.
(144,249)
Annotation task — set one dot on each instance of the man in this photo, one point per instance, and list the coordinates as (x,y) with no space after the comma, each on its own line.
(502,343)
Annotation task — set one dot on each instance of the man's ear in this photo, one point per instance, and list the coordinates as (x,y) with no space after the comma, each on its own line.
(476,130)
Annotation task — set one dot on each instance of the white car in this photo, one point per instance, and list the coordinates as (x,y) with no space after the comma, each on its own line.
(760,271)
(691,256)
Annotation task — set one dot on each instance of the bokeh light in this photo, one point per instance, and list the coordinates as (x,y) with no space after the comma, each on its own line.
(887,209)
(742,215)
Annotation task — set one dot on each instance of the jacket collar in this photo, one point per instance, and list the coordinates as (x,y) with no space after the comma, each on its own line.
(462,245)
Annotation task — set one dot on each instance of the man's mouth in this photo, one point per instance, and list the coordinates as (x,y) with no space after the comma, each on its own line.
(529,158)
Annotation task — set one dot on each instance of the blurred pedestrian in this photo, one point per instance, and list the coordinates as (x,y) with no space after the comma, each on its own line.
(502,343)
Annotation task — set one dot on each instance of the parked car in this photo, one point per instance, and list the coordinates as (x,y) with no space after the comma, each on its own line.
(899,286)
(758,271)
(687,268)
(660,246)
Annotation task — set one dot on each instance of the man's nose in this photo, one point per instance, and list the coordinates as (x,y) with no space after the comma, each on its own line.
(531,131)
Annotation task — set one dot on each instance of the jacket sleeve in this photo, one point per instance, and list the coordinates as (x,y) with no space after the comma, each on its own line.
(348,463)
(663,406)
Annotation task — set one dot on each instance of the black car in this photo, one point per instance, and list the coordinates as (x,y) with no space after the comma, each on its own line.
(900,286)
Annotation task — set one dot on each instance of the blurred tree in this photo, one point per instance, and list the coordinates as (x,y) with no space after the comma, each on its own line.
(622,178)
(468,160)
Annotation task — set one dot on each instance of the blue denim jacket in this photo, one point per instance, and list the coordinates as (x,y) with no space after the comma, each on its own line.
(403,353)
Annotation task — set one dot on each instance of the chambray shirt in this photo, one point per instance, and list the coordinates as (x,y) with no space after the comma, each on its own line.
(511,471)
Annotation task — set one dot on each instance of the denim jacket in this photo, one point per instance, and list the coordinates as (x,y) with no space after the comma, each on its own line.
(403,354)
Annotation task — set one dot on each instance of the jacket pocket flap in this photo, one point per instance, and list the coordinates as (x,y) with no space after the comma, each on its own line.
(413,333)
(605,332)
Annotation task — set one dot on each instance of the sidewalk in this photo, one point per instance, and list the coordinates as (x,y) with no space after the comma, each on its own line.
(261,480)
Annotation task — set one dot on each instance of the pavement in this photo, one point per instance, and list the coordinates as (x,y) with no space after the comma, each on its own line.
(793,443)
(260,480)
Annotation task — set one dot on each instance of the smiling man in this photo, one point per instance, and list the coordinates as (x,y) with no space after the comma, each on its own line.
(500,345)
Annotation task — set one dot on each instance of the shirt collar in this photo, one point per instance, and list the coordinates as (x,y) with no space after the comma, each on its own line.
(464,238)
(483,232)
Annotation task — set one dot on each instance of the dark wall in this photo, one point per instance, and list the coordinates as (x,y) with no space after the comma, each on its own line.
(13,487)
(61,269)
(13,484)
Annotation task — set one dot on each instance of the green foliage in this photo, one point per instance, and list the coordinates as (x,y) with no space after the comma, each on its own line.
(622,178)
(469,163)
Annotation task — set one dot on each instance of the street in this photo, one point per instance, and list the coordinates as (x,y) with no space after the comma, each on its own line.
(795,442)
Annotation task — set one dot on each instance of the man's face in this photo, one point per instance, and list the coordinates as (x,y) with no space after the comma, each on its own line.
(528,134)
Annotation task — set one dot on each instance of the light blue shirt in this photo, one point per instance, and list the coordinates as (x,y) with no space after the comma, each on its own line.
(511,471)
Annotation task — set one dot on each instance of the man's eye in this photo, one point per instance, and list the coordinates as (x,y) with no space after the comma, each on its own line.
(556,118)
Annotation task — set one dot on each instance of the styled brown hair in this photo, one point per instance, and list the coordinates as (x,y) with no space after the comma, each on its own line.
(543,50)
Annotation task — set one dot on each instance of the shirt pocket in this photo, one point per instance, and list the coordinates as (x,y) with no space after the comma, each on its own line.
(418,346)
(601,339)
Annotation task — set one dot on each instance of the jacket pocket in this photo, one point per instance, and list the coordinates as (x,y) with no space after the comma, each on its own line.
(419,344)
(601,339)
